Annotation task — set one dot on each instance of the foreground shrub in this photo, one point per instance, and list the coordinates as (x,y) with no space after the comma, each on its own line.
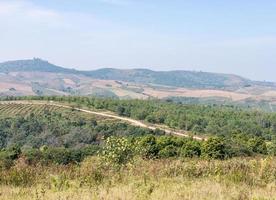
(63,156)
(191,149)
(168,151)
(271,148)
(117,151)
(8,156)
(214,148)
(148,147)
(257,145)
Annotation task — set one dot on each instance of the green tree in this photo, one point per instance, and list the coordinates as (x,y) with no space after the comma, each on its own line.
(148,147)
(191,149)
(117,151)
(214,148)
(168,151)
(257,145)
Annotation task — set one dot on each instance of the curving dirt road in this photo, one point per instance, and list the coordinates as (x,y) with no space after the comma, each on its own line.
(104,114)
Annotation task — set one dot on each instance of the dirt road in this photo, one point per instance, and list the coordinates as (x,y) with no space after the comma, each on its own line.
(109,115)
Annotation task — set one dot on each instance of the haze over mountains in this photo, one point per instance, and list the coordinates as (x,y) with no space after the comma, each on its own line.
(177,78)
(39,77)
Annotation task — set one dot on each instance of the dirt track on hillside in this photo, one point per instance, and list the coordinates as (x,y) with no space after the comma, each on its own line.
(109,115)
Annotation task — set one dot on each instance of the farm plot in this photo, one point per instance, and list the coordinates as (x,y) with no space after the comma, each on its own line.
(16,109)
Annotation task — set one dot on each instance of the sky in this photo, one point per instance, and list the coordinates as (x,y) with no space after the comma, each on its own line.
(225,36)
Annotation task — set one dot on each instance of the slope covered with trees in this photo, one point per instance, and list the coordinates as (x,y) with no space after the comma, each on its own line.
(49,152)
(240,132)
(200,119)
(35,65)
(172,78)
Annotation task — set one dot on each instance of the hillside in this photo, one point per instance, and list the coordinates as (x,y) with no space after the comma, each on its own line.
(178,78)
(34,65)
(167,78)
(39,77)
(50,150)
(32,125)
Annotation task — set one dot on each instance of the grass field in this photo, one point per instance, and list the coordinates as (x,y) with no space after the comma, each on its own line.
(239,179)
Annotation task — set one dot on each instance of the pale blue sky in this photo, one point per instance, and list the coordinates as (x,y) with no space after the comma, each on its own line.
(237,36)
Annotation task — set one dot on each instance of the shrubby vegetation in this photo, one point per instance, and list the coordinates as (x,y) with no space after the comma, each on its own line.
(120,151)
(33,126)
(231,131)
(49,153)
(223,121)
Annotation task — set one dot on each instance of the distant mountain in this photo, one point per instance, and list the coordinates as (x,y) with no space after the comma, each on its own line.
(177,78)
(39,77)
(34,65)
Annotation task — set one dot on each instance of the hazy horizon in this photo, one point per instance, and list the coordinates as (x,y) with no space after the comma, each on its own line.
(237,37)
(124,68)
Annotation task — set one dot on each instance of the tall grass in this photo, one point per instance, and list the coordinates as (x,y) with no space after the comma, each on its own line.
(252,178)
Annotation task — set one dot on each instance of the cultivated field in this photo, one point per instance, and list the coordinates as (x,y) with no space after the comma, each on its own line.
(21,109)
(45,83)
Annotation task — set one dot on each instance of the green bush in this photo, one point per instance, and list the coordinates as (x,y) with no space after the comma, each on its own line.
(257,145)
(63,156)
(191,149)
(214,148)
(7,157)
(168,151)
(271,148)
(148,147)
(117,151)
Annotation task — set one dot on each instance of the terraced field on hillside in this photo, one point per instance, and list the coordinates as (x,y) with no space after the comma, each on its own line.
(17,109)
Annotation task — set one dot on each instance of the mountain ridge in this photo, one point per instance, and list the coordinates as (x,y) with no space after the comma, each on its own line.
(37,77)
(174,78)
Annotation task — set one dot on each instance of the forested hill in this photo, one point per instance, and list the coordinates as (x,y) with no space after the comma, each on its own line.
(178,78)
(34,65)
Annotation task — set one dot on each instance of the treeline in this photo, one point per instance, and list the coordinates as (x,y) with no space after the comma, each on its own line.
(120,150)
(45,155)
(225,121)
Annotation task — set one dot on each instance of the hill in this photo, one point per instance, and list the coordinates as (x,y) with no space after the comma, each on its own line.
(39,77)
(167,78)
(34,65)
(177,78)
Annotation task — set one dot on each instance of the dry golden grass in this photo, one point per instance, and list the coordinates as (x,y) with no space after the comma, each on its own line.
(239,179)
(170,189)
